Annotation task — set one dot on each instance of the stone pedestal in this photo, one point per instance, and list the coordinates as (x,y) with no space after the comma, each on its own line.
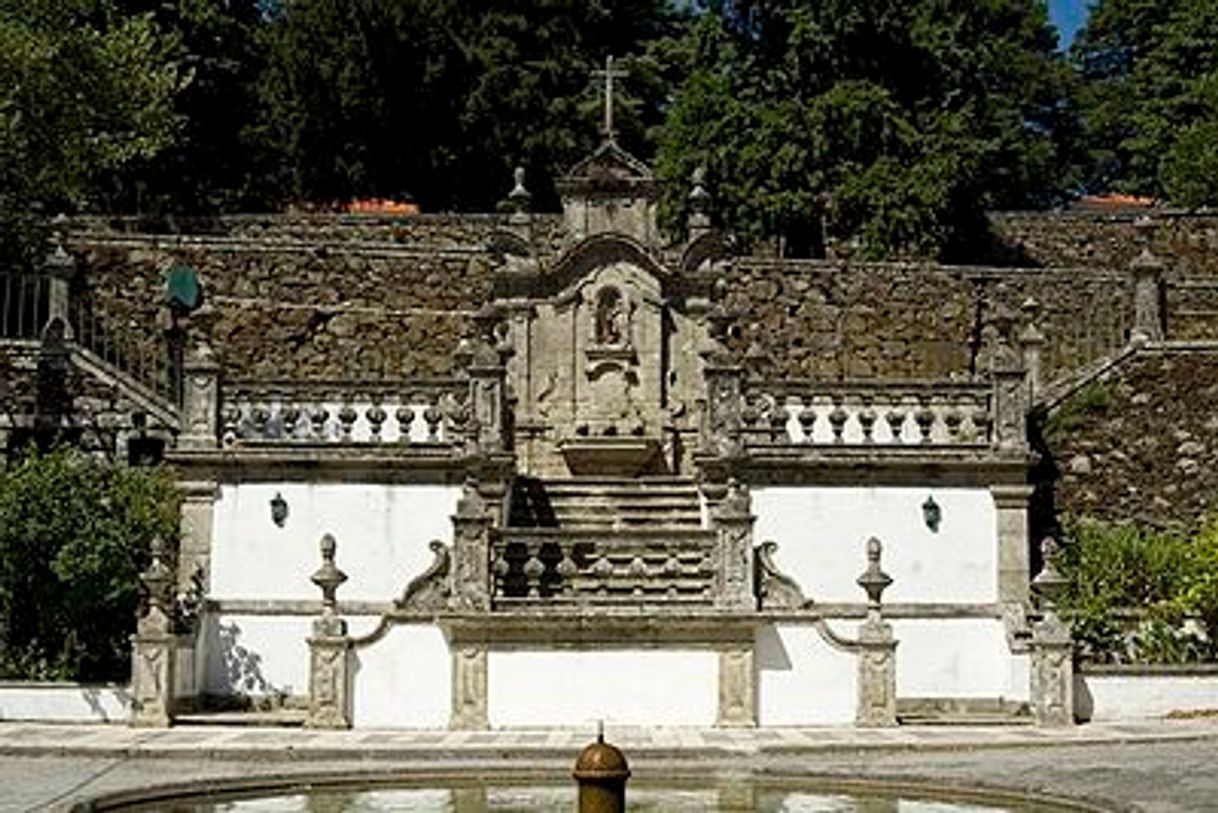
(468,689)
(1052,686)
(737,688)
(1014,568)
(329,675)
(733,522)
(877,675)
(153,658)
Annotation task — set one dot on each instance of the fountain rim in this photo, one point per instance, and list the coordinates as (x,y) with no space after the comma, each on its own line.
(919,788)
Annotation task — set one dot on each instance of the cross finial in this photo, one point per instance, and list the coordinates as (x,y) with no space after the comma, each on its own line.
(609,74)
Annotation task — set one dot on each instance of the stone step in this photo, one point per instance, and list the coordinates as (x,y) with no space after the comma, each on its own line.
(962,711)
(587,502)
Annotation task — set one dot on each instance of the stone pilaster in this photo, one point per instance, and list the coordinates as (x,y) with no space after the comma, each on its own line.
(59,268)
(877,650)
(469,687)
(733,522)
(200,399)
(737,688)
(154,649)
(1052,647)
(330,651)
(1031,346)
(1147,270)
(195,526)
(1010,399)
(471,551)
(1014,569)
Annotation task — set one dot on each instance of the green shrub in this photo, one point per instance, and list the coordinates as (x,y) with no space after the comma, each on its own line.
(74,534)
(1141,596)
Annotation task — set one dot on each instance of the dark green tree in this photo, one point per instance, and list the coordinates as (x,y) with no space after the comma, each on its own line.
(74,536)
(897,122)
(84,89)
(441,98)
(1150,97)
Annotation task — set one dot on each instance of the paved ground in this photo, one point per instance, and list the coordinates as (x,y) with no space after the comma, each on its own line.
(1164,767)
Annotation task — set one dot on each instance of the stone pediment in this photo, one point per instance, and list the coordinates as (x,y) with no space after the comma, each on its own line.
(610,165)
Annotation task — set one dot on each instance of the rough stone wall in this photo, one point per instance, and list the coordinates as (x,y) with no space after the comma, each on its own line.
(1186,241)
(828,320)
(1139,444)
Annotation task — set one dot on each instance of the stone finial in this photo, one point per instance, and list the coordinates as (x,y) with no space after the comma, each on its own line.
(157,578)
(699,204)
(874,580)
(519,197)
(328,577)
(1049,584)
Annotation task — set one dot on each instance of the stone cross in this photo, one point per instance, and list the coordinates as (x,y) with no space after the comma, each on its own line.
(609,74)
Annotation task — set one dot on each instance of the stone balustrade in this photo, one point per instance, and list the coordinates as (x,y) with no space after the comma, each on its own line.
(597,567)
(405,413)
(887,414)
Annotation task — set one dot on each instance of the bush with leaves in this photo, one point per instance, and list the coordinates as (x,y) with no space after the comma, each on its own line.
(74,535)
(1141,596)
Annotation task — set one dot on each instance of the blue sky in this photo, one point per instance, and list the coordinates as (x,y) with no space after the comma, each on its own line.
(1068,16)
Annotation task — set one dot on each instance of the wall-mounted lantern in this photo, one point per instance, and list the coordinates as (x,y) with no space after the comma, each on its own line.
(279,510)
(932,514)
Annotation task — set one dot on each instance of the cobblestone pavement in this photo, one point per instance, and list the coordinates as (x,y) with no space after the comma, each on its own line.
(1163,767)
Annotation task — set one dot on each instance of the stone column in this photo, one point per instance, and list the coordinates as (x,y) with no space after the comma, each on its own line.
(1147,270)
(200,390)
(1052,678)
(877,648)
(154,648)
(329,651)
(1014,567)
(721,429)
(1010,398)
(59,268)
(1031,345)
(487,369)
(469,676)
(471,551)
(737,688)
(733,522)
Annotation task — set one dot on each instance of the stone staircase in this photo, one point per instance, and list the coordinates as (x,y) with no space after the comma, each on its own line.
(608,504)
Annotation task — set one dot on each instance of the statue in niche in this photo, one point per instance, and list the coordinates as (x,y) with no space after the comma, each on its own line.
(612,327)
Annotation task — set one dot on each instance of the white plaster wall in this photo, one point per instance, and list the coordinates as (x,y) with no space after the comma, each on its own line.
(822,534)
(64,703)
(382,533)
(631,687)
(802,680)
(1128,697)
(966,657)
(404,680)
(256,655)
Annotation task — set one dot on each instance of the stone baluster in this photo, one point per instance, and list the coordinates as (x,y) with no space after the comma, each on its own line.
(347,416)
(698,222)
(290,416)
(433,416)
(1147,270)
(201,387)
(260,417)
(733,521)
(877,675)
(471,551)
(319,416)
(330,654)
(807,420)
(867,419)
(1031,346)
(154,647)
(376,416)
(405,418)
(924,417)
(896,421)
(520,201)
(837,419)
(1052,649)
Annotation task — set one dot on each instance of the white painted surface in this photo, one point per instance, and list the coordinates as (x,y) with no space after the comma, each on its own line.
(382,533)
(634,687)
(802,680)
(64,703)
(822,534)
(1130,697)
(404,680)
(256,655)
(967,657)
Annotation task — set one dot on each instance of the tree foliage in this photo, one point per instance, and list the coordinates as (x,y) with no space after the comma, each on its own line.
(441,98)
(84,89)
(905,119)
(1150,96)
(74,535)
